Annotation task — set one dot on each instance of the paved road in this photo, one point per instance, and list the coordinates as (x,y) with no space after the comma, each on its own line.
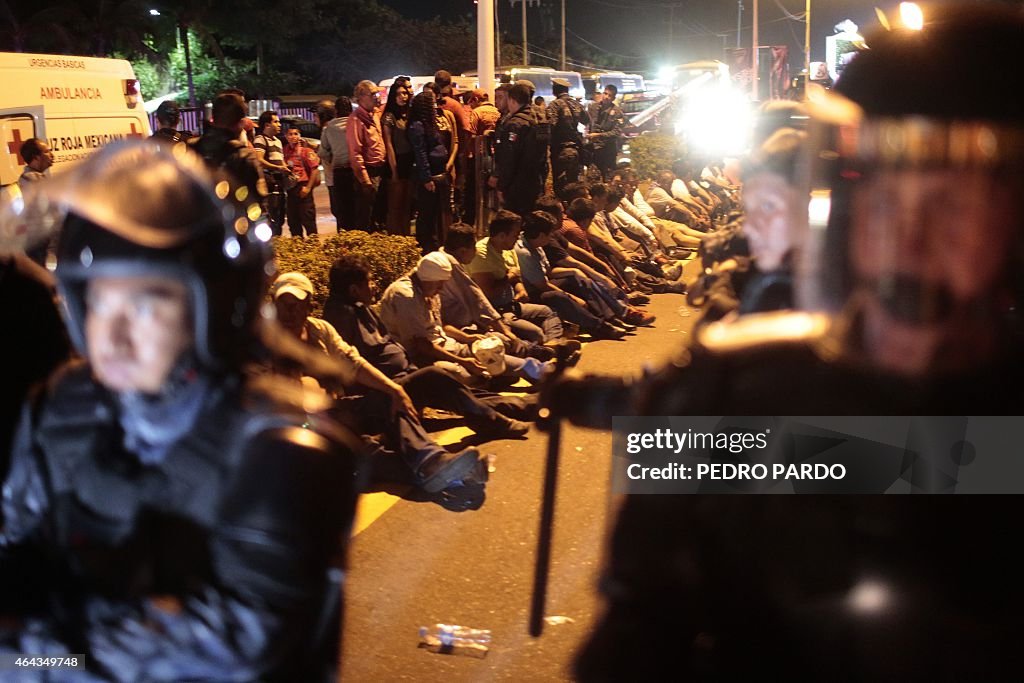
(415,563)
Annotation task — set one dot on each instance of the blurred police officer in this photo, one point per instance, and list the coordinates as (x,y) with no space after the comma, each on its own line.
(517,154)
(605,131)
(169,116)
(929,234)
(565,115)
(168,516)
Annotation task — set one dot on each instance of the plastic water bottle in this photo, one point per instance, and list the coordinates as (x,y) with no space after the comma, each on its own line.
(452,639)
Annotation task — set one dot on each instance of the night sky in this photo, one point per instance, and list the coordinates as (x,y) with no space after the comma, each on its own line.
(641,29)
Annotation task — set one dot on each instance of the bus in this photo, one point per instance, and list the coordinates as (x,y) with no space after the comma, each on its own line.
(540,77)
(597,81)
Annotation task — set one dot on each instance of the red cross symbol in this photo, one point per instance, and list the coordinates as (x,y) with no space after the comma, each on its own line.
(135,133)
(15,147)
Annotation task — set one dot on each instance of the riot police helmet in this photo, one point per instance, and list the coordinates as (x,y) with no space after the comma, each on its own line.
(924,236)
(139,209)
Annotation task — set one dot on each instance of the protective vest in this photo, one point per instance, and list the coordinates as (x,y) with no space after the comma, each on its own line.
(239,505)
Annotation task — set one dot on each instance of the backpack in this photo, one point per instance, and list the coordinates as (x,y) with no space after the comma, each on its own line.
(540,139)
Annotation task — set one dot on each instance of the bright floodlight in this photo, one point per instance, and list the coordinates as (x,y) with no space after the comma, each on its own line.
(870,597)
(911,16)
(665,73)
(717,120)
(154,12)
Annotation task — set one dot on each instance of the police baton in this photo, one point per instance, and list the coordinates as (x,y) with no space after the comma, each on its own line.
(553,426)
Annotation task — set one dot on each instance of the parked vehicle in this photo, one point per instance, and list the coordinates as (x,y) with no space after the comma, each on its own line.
(597,81)
(540,77)
(76,104)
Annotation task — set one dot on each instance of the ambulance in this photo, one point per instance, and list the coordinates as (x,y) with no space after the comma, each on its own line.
(76,104)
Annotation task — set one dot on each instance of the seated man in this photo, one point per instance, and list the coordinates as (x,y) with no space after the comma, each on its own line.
(464,304)
(668,233)
(495,269)
(658,196)
(411,309)
(569,236)
(380,405)
(582,305)
(602,234)
(632,236)
(348,309)
(167,515)
(681,184)
(561,259)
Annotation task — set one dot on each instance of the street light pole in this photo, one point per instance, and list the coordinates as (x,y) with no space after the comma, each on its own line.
(739,20)
(753,59)
(807,44)
(526,54)
(562,67)
(485,46)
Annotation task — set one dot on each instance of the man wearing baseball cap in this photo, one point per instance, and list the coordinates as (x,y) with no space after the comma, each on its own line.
(382,406)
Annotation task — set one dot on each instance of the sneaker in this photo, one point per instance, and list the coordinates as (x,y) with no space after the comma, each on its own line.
(639,318)
(570,330)
(608,331)
(682,253)
(672,272)
(441,470)
(461,497)
(515,429)
(637,299)
(566,347)
(622,324)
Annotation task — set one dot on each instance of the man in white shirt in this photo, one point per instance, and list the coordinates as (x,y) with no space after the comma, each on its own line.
(334,155)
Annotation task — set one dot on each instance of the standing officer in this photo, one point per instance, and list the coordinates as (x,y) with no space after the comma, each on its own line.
(565,115)
(929,238)
(605,131)
(168,515)
(517,154)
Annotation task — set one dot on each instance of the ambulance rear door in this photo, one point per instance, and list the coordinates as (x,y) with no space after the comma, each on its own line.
(17,125)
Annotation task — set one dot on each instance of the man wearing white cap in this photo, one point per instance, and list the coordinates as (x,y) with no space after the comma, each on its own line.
(385,407)
(411,310)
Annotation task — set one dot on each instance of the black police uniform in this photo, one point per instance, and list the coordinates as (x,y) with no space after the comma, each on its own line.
(565,114)
(608,123)
(518,156)
(194,534)
(222,150)
(242,522)
(719,587)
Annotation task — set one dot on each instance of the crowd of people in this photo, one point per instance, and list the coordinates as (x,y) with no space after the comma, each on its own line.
(178,491)
(401,160)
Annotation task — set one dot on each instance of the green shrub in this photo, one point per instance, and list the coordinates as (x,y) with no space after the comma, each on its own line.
(651,153)
(389,256)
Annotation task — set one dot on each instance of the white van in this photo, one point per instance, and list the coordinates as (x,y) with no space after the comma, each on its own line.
(540,76)
(76,104)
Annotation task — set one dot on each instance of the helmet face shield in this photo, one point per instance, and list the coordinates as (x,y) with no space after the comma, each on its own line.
(914,232)
(915,226)
(929,252)
(140,209)
(929,241)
